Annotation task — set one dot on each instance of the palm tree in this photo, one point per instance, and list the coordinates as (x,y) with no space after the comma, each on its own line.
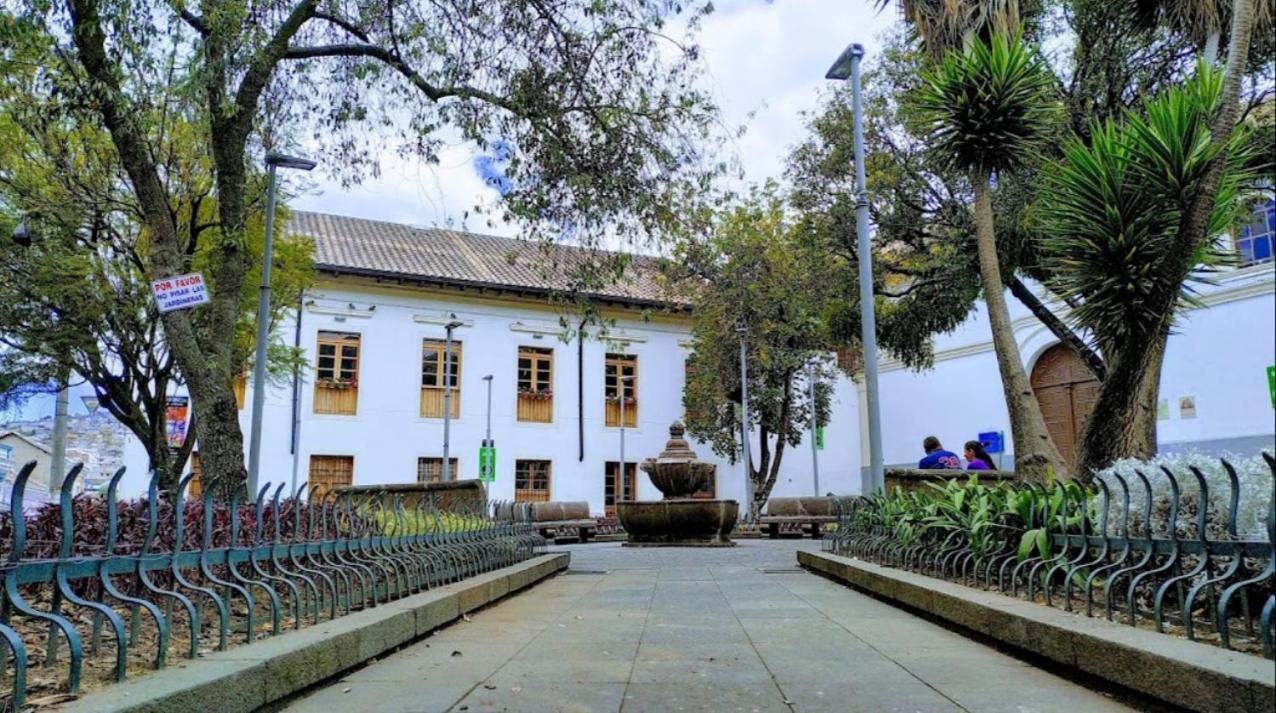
(945,25)
(989,104)
(1202,21)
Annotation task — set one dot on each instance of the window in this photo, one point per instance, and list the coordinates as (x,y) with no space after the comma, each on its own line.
(430,469)
(614,488)
(531,481)
(1254,242)
(618,366)
(328,472)
(337,373)
(432,390)
(535,384)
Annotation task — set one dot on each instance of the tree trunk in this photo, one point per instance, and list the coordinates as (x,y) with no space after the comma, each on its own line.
(1035,454)
(1061,331)
(1123,422)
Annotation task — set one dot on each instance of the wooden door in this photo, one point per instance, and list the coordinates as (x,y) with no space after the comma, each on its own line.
(1066,391)
(615,488)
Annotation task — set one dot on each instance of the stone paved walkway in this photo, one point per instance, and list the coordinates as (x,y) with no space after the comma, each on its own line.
(665,630)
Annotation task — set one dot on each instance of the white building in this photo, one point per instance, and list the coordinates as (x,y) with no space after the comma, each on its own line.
(370,411)
(370,408)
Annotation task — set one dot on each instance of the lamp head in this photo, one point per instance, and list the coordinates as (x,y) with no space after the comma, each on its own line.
(487,378)
(454,324)
(286,161)
(841,68)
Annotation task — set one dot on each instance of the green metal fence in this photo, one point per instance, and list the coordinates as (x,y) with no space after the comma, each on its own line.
(221,570)
(1221,588)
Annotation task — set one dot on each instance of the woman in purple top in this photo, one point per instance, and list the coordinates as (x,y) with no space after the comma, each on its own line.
(976,457)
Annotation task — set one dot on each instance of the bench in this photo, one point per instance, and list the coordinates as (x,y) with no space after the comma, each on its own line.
(561,516)
(809,512)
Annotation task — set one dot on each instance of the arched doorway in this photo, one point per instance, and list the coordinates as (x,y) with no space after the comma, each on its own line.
(1066,390)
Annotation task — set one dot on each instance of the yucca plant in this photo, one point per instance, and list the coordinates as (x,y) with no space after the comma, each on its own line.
(1114,212)
(990,105)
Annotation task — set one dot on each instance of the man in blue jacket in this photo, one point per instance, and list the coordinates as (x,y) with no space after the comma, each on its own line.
(936,457)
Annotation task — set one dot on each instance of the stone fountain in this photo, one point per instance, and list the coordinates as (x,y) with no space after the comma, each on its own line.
(678,519)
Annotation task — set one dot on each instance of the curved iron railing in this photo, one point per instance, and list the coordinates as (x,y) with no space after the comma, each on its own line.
(301,559)
(1220,588)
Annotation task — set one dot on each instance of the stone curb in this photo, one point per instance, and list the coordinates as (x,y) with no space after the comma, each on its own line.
(1185,673)
(245,678)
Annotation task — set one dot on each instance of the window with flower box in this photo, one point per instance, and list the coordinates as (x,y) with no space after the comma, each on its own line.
(432,390)
(536,384)
(617,367)
(531,481)
(337,373)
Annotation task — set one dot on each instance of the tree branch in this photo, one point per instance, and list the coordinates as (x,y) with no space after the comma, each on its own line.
(1062,331)
(343,24)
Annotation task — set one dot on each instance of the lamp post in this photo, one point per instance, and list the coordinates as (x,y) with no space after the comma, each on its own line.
(620,391)
(815,459)
(744,424)
(447,394)
(846,67)
(274,161)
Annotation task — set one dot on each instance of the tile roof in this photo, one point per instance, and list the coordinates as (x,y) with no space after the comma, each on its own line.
(358,246)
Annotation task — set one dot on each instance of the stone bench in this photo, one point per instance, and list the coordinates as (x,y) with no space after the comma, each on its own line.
(563,516)
(808,512)
(909,479)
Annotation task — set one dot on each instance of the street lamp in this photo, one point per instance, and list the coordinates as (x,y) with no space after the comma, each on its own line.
(744,423)
(447,393)
(274,161)
(815,426)
(620,390)
(846,67)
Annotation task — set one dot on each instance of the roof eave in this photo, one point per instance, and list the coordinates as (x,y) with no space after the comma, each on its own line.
(522,290)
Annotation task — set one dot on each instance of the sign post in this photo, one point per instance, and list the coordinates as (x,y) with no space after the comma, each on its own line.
(487,461)
(994,442)
(179,292)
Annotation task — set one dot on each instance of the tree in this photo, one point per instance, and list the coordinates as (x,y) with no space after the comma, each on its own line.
(604,123)
(74,298)
(760,272)
(988,105)
(1181,163)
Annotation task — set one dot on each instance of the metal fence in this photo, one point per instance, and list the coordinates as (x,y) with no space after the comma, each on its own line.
(1192,571)
(197,573)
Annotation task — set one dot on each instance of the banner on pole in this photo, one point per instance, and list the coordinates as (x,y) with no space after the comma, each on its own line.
(819,438)
(487,462)
(176,413)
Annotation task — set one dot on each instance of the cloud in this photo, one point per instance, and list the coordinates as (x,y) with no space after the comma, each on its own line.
(765,60)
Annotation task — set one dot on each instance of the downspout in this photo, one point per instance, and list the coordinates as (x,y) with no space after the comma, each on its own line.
(296,391)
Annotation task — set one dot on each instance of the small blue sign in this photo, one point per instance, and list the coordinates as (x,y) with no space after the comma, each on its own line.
(994,441)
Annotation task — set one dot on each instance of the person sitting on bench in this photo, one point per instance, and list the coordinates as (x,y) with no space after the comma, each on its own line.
(936,457)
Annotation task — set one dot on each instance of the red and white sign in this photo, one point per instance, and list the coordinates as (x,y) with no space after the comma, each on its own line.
(179,292)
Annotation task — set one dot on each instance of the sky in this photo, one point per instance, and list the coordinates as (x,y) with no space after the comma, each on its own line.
(765,57)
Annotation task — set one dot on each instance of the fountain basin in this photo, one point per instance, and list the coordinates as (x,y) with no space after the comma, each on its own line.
(678,522)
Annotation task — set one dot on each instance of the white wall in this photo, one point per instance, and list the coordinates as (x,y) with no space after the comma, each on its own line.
(1218,355)
(387,434)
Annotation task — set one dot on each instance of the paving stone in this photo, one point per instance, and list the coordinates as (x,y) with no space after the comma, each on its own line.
(709,697)
(543,696)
